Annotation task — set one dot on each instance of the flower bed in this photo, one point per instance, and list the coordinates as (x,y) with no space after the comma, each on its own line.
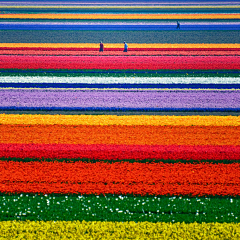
(119,26)
(126,135)
(121,178)
(228,16)
(119,52)
(119,62)
(109,171)
(113,152)
(119,208)
(107,120)
(146,99)
(120,230)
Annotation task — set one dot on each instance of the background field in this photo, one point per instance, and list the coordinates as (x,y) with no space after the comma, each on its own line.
(119,145)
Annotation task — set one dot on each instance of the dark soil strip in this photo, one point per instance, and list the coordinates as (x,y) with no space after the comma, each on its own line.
(65,36)
(121,113)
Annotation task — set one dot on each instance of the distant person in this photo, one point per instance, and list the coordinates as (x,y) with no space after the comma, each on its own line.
(101,47)
(178,25)
(125,47)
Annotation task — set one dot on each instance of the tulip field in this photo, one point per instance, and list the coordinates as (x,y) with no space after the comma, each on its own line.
(142,144)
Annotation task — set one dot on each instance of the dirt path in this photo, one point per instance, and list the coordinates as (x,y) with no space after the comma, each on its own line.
(120,113)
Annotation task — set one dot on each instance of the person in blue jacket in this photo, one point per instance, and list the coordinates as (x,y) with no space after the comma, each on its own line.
(178,25)
(101,47)
(125,47)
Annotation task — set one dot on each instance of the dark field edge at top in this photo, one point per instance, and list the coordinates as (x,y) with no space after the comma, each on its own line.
(68,36)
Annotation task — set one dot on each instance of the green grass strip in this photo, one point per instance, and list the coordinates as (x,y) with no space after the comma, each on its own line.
(88,160)
(119,73)
(119,208)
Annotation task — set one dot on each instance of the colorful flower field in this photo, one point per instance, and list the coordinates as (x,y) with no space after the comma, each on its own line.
(113,144)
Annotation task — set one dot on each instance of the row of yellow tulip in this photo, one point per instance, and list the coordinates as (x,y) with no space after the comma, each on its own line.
(119,45)
(133,120)
(122,16)
(117,230)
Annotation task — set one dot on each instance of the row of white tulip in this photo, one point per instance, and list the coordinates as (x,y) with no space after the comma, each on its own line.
(122,80)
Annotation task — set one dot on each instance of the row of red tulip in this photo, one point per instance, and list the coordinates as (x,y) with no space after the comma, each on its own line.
(120,62)
(121,178)
(118,52)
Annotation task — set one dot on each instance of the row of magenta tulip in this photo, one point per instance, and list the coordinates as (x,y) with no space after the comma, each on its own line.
(115,153)
(118,52)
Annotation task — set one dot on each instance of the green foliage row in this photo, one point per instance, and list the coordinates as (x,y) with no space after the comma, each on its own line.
(120,73)
(88,160)
(119,208)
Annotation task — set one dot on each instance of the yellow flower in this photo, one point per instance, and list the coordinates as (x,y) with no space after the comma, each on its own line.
(117,230)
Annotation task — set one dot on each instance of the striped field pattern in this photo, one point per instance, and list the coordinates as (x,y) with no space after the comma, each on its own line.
(109,144)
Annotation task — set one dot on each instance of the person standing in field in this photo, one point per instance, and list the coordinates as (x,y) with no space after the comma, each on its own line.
(101,47)
(178,25)
(125,47)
